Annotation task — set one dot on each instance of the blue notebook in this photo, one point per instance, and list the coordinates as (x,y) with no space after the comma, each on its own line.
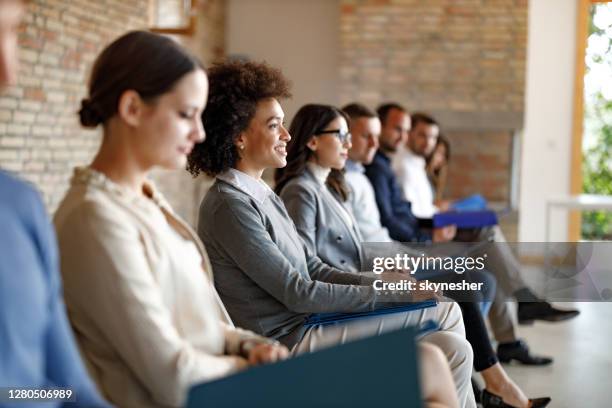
(379,371)
(465,219)
(321,319)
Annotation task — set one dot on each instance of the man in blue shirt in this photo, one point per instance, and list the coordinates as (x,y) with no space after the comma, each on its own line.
(37,348)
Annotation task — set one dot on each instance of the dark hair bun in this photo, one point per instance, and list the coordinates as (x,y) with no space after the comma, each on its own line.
(89,115)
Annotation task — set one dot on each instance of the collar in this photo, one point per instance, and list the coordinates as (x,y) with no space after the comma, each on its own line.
(320,173)
(410,155)
(87,176)
(354,167)
(256,189)
(382,157)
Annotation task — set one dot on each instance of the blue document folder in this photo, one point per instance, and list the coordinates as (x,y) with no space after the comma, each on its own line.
(465,219)
(320,319)
(378,371)
(474,202)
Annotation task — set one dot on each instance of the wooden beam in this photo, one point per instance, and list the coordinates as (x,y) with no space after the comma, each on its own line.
(582,32)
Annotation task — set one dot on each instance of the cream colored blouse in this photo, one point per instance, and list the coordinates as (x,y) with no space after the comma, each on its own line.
(138,288)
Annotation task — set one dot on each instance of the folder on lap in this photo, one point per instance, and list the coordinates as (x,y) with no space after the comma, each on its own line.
(465,219)
(474,202)
(320,319)
(376,371)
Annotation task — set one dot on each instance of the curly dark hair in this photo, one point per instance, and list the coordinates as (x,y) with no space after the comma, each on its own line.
(235,89)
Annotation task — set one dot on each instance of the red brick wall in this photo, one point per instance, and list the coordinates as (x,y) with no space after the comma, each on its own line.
(480,163)
(461,60)
(40,137)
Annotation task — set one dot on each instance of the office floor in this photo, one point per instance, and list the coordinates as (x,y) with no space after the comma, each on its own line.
(581,375)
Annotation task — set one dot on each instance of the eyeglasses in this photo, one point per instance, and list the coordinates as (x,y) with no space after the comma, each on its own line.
(344,137)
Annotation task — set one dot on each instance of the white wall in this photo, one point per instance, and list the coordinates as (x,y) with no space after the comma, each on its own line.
(546,144)
(298,36)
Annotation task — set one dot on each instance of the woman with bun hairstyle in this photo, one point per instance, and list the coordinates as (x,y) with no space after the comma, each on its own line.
(268,279)
(138,283)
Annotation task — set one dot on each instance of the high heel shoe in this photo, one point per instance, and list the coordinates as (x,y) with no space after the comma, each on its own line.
(490,400)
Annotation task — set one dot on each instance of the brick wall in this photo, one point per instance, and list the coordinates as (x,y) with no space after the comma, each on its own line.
(40,137)
(480,162)
(461,60)
(182,191)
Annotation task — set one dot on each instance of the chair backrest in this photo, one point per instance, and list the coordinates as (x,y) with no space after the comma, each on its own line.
(377,371)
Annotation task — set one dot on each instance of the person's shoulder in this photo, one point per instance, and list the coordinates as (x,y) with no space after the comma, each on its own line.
(303,184)
(222,192)
(20,202)
(89,208)
(221,198)
(14,191)
(377,167)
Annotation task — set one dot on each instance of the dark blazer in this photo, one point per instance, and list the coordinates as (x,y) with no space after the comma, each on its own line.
(320,223)
(395,212)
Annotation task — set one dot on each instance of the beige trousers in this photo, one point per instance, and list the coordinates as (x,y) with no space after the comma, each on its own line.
(450,338)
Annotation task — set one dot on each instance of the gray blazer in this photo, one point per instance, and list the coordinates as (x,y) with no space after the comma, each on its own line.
(320,223)
(267,278)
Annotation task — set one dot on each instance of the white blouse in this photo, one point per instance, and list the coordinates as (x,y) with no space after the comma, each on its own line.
(138,288)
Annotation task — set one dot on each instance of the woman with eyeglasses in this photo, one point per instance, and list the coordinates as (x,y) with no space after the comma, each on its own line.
(313,189)
(268,279)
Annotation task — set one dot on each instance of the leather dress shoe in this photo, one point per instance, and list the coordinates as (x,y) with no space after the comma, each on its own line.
(530,311)
(519,351)
(490,400)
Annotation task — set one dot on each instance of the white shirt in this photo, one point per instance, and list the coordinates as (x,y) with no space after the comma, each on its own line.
(412,177)
(363,203)
(257,189)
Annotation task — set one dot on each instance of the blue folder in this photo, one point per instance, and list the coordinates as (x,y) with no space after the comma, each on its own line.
(474,202)
(378,371)
(465,219)
(321,319)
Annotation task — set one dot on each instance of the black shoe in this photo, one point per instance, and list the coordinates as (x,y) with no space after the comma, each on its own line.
(519,351)
(528,312)
(490,400)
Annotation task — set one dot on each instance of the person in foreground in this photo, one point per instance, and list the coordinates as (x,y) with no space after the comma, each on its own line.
(38,350)
(138,282)
(268,279)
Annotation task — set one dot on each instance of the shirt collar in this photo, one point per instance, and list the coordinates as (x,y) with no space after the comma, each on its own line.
(382,157)
(320,173)
(85,175)
(409,154)
(353,166)
(256,189)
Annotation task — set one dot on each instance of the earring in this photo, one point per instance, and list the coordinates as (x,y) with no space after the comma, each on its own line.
(241,147)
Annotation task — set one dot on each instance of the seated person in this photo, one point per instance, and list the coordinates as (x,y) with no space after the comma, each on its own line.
(365,128)
(409,165)
(437,170)
(139,285)
(396,214)
(37,346)
(316,196)
(267,277)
